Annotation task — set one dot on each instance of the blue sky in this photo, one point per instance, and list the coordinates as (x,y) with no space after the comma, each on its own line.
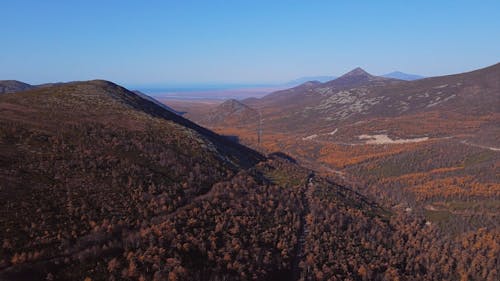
(182,42)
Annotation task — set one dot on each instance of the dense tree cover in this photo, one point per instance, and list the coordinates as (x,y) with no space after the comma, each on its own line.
(113,204)
(95,190)
(57,188)
(133,204)
(452,184)
(440,191)
(362,242)
(244,230)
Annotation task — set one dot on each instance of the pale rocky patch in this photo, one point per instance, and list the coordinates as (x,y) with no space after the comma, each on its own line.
(311,137)
(384,139)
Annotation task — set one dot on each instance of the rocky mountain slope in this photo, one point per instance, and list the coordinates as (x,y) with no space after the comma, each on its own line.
(358,96)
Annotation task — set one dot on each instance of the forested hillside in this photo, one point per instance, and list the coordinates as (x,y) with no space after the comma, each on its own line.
(430,145)
(98,183)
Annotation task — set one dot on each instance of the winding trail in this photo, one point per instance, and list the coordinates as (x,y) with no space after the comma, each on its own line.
(303,230)
(480,146)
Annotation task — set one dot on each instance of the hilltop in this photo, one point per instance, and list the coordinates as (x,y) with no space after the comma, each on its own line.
(231,111)
(12,86)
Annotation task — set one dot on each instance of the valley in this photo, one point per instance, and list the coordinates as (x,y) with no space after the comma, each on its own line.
(250,140)
(102,183)
(411,144)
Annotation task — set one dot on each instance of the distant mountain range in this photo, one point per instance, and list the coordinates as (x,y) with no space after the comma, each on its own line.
(301,80)
(403,76)
(224,92)
(325,78)
(359,94)
(363,101)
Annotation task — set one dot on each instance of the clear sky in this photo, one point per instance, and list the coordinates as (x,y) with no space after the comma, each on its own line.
(165,42)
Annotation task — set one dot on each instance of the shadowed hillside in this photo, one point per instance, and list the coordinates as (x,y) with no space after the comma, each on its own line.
(12,86)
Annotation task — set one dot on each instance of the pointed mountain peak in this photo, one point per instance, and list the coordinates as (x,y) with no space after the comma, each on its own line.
(358,71)
(355,78)
(231,111)
(232,104)
(308,84)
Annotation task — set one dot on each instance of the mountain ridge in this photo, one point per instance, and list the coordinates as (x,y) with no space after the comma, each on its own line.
(13,86)
(103,94)
(301,80)
(403,76)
